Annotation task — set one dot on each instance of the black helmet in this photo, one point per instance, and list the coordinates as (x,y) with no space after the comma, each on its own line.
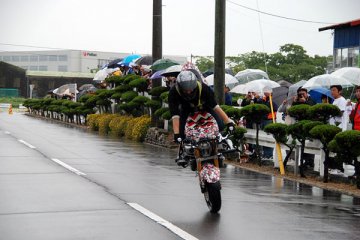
(186,84)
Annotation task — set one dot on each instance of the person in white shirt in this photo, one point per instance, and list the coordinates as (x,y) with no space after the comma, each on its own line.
(341,103)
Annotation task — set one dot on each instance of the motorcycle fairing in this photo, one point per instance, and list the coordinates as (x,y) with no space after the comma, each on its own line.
(201,125)
(210,174)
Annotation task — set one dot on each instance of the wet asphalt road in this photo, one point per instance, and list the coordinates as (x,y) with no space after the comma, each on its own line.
(42,200)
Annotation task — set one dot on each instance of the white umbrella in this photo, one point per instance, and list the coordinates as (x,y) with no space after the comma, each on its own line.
(103,73)
(352,74)
(66,89)
(260,84)
(248,75)
(242,89)
(174,68)
(326,80)
(293,88)
(228,79)
(255,86)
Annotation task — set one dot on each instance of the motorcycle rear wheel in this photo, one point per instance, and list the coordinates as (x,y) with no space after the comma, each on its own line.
(212,196)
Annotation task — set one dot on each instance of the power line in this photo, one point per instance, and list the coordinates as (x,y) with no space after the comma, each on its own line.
(278,16)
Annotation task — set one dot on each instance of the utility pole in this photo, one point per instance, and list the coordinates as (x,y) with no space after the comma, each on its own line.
(219,51)
(157,36)
(156,48)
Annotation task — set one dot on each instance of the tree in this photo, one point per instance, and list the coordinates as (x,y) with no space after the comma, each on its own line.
(347,147)
(279,132)
(294,54)
(204,63)
(323,112)
(290,63)
(299,112)
(256,113)
(325,133)
(300,132)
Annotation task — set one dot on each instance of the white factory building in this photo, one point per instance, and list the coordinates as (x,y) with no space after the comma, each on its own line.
(66,60)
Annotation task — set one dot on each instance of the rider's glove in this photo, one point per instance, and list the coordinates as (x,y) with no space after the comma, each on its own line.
(177,138)
(230,126)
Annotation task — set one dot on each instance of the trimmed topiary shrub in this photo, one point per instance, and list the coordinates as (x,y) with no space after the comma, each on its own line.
(140,100)
(238,136)
(116,96)
(160,111)
(323,112)
(122,88)
(325,133)
(279,132)
(166,115)
(140,84)
(300,132)
(114,79)
(255,113)
(128,96)
(299,112)
(157,91)
(153,104)
(234,113)
(346,145)
(164,97)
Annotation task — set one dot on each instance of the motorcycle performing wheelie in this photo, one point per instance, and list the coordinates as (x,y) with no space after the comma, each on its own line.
(200,151)
(193,109)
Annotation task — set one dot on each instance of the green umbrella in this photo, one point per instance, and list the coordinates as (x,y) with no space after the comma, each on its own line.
(162,64)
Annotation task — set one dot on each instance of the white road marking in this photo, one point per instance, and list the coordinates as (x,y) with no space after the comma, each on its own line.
(178,231)
(27,144)
(8,133)
(68,167)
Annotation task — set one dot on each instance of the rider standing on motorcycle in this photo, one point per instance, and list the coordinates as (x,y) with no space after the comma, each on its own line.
(190,95)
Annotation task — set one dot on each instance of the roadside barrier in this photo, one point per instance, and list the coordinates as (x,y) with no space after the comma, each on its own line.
(311,147)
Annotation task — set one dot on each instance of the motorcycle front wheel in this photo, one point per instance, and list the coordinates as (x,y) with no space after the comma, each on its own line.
(212,196)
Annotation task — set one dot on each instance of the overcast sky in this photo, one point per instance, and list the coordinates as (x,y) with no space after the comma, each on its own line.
(188,25)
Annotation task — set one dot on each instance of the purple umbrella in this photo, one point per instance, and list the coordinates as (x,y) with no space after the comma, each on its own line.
(157,74)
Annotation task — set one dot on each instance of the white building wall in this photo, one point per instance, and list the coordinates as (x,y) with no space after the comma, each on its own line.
(66,60)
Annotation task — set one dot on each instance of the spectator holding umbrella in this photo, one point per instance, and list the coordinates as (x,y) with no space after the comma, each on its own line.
(303,97)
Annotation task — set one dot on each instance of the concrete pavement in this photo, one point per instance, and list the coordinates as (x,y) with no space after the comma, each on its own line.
(42,200)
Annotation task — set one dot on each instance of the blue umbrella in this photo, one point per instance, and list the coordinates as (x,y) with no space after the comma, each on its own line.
(317,93)
(128,59)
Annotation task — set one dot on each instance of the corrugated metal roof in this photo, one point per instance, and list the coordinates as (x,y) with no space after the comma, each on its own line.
(59,74)
(352,23)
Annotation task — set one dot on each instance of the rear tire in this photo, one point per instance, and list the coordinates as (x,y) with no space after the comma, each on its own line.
(212,196)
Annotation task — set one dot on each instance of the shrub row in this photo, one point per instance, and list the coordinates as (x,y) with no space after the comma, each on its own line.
(133,128)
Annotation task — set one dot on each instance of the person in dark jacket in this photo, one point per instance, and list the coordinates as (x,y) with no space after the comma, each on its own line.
(228,97)
(303,97)
(190,95)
